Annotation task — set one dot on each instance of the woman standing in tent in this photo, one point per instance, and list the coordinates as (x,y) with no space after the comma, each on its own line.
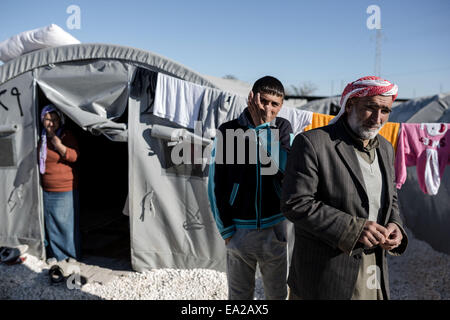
(58,152)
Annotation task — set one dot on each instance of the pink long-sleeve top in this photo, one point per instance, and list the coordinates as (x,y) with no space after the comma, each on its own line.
(426,146)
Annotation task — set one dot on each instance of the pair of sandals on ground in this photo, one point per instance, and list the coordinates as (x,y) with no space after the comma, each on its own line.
(61,271)
(58,272)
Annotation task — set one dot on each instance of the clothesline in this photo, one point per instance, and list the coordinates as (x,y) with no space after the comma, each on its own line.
(424,145)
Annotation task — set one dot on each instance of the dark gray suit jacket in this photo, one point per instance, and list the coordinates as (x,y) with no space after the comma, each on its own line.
(324,195)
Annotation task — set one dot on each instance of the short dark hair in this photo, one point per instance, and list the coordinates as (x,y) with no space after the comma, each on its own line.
(269,85)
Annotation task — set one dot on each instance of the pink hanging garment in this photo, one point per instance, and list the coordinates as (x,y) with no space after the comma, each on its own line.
(426,146)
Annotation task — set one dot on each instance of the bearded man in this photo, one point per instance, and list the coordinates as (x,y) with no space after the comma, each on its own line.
(339,192)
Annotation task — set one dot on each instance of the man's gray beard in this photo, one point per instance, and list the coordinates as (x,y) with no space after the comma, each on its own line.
(358,129)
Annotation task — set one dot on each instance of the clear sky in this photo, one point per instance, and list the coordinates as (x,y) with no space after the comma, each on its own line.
(326,43)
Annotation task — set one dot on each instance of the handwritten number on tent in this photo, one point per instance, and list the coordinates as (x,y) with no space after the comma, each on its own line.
(2,92)
(14,92)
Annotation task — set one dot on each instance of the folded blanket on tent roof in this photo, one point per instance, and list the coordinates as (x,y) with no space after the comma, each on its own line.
(45,37)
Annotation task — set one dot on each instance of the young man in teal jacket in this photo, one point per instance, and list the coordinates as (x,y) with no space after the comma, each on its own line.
(245,176)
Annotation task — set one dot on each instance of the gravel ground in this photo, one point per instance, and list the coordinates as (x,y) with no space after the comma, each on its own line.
(421,273)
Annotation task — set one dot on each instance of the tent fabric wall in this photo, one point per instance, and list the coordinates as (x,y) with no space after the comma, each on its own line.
(428,217)
(171,223)
(20,204)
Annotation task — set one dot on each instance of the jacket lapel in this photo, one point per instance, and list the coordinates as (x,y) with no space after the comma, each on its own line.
(349,157)
(346,151)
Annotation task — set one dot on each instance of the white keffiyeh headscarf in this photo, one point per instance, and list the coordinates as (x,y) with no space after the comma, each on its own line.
(366,87)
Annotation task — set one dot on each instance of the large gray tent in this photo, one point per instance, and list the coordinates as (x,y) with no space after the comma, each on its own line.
(107,92)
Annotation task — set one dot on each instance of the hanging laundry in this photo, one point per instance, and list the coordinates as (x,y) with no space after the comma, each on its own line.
(390,132)
(299,119)
(211,107)
(319,120)
(426,146)
(178,100)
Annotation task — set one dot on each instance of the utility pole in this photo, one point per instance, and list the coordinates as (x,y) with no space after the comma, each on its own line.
(374,22)
(377,68)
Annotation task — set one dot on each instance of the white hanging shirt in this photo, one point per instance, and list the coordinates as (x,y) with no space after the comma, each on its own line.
(178,100)
(299,119)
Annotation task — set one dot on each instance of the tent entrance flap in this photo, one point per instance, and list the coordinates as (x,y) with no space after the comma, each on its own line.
(94,94)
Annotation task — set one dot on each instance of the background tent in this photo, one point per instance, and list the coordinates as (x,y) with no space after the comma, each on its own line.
(242,88)
(425,109)
(331,105)
(428,217)
(326,106)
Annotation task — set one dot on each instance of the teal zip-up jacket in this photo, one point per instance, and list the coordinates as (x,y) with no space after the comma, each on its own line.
(244,188)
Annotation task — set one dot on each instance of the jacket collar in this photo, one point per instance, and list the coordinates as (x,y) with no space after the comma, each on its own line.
(245,120)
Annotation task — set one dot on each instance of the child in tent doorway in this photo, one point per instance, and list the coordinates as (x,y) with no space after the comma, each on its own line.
(58,152)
